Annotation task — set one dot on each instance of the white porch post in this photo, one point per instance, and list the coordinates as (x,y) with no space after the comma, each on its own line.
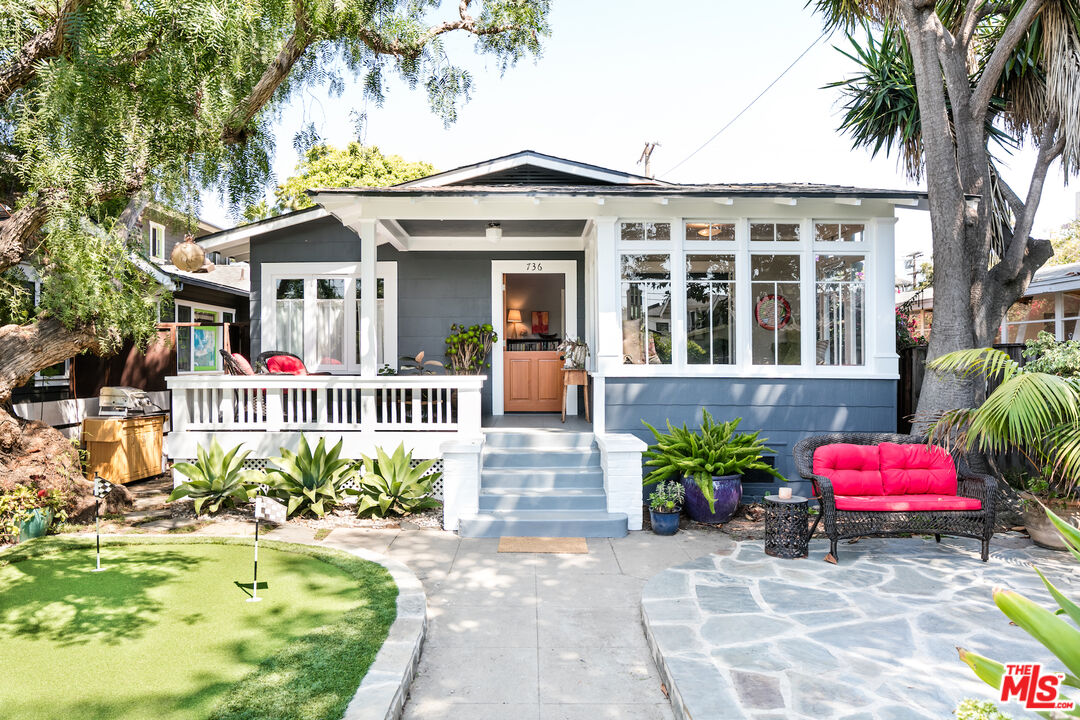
(368,300)
(608,314)
(881,303)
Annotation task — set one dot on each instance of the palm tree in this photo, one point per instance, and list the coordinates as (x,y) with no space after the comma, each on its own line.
(945,87)
(1035,413)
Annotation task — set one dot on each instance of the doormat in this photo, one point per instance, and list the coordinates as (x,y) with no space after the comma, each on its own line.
(559,545)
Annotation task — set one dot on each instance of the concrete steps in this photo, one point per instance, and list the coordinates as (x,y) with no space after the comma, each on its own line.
(542,483)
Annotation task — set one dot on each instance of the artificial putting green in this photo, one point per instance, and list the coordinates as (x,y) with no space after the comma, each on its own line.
(165,633)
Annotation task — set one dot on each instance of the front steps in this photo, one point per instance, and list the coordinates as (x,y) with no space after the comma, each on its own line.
(542,483)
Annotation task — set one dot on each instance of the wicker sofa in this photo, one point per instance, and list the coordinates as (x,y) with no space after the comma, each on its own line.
(867,511)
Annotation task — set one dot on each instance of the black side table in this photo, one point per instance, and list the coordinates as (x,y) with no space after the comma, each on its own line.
(786,533)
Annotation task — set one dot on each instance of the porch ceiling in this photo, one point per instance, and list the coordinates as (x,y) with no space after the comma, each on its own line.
(477,228)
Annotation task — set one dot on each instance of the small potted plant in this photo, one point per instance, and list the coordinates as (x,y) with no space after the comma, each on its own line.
(665,506)
(710,463)
(27,512)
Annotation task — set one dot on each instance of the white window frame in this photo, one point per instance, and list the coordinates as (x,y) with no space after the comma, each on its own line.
(878,359)
(219,309)
(158,253)
(1059,320)
(309,272)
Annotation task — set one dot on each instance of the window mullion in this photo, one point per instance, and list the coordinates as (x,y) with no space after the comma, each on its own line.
(678,284)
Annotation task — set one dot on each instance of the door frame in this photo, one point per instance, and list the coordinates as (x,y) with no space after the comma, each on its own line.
(529,266)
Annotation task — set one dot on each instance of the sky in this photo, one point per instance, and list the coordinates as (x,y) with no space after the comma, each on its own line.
(614,75)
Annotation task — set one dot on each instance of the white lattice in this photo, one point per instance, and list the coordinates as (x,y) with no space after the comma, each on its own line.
(264,463)
(436,488)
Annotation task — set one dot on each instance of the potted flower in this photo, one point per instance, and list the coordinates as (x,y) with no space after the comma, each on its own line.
(710,463)
(1032,411)
(665,505)
(27,512)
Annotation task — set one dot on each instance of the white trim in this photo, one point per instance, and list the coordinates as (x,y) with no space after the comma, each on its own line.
(159,254)
(568,269)
(237,237)
(350,271)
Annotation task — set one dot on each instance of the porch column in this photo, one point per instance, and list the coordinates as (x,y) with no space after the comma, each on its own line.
(608,315)
(368,299)
(881,300)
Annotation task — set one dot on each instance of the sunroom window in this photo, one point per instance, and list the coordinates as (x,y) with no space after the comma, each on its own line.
(839,232)
(705,231)
(841,300)
(710,309)
(289,315)
(646,309)
(645,231)
(1071,306)
(774,232)
(777,317)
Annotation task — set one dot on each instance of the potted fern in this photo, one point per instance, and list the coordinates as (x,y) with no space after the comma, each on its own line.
(710,463)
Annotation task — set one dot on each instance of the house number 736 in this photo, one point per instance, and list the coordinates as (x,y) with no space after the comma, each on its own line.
(534,267)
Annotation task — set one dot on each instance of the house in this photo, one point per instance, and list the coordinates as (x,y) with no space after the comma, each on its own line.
(1051,303)
(769,302)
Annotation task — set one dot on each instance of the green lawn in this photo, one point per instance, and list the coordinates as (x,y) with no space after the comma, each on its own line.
(165,633)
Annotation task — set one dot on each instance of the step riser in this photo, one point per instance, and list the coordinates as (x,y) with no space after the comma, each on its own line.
(516,503)
(492,526)
(540,480)
(533,441)
(561,459)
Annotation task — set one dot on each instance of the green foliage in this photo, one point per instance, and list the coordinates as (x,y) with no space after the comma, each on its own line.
(667,497)
(1034,412)
(16,297)
(390,485)
(1066,242)
(307,480)
(714,450)
(969,709)
(418,364)
(1046,355)
(1047,626)
(18,505)
(905,330)
(325,166)
(217,478)
(467,348)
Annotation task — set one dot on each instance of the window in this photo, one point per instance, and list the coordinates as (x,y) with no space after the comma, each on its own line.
(841,298)
(706,231)
(289,316)
(1030,316)
(646,309)
(330,320)
(645,231)
(710,309)
(205,340)
(183,339)
(775,332)
(839,232)
(1071,307)
(157,241)
(774,232)
(380,319)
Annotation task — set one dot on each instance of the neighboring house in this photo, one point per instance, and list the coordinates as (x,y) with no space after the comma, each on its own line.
(1051,303)
(919,306)
(769,302)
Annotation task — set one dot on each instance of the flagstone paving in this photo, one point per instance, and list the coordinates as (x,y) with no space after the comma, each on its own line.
(749,636)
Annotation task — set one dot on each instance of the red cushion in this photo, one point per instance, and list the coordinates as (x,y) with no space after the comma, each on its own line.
(245,366)
(916,470)
(286,364)
(901,503)
(853,469)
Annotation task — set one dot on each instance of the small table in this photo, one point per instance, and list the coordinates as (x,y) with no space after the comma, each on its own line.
(575,376)
(786,533)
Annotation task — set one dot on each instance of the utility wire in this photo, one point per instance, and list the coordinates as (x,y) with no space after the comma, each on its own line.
(759,96)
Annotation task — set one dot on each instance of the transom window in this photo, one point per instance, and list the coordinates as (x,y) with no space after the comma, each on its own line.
(839,232)
(707,231)
(774,232)
(645,231)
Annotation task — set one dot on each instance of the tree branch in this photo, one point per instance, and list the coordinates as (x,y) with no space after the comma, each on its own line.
(21,68)
(27,349)
(995,66)
(1049,150)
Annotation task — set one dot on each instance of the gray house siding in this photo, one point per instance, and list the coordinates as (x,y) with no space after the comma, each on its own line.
(784,410)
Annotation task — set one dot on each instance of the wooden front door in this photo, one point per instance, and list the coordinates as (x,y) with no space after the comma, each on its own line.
(532,381)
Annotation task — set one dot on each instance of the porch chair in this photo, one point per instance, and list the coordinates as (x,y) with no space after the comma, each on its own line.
(234,363)
(879,485)
(279,362)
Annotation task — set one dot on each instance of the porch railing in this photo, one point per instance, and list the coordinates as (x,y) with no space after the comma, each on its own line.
(327,403)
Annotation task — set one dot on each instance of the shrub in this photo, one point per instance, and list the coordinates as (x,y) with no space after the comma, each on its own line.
(1046,355)
(217,478)
(467,348)
(307,480)
(712,451)
(18,505)
(391,485)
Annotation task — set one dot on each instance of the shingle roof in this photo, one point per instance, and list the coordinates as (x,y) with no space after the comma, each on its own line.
(711,190)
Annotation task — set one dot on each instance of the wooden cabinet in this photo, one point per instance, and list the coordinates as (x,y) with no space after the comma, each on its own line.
(532,381)
(123,449)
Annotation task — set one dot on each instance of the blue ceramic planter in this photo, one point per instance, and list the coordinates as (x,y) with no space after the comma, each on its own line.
(727,490)
(36,525)
(664,523)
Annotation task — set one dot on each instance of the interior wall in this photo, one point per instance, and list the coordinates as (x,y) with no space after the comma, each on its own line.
(536,293)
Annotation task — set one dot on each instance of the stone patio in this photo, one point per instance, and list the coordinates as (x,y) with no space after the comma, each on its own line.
(749,636)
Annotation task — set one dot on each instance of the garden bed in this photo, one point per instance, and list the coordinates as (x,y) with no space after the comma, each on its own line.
(165,631)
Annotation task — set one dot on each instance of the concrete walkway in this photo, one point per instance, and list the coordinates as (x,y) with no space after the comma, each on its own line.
(516,636)
(873,638)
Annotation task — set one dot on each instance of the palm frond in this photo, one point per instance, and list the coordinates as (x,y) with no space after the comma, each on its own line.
(990,363)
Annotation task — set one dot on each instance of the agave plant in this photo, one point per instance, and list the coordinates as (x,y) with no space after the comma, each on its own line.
(1036,413)
(217,478)
(391,485)
(1047,626)
(307,480)
(714,450)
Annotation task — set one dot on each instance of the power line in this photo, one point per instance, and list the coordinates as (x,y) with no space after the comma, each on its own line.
(759,96)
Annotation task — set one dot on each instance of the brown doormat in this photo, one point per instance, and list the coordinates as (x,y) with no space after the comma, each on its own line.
(560,545)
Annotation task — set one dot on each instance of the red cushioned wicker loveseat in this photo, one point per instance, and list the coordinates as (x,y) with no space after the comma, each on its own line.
(881,484)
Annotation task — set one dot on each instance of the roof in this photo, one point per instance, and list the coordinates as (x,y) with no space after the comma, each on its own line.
(234,279)
(529,167)
(1052,278)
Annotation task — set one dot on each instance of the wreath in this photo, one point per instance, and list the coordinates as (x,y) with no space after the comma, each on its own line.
(770,308)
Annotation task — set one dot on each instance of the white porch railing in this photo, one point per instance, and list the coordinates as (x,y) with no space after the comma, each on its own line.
(270,411)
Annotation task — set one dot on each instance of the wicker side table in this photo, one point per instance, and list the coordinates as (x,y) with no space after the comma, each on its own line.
(786,533)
